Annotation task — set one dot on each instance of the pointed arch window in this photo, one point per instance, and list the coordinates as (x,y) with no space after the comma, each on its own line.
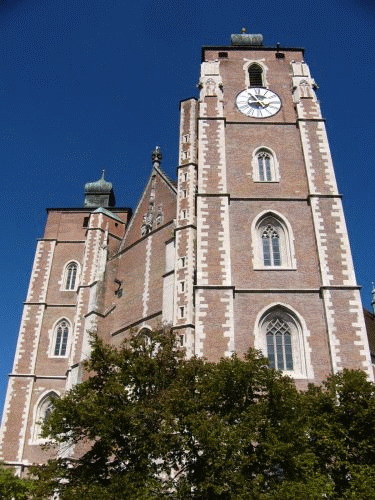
(144,335)
(71,276)
(42,413)
(271,246)
(265,165)
(272,241)
(255,75)
(280,333)
(61,338)
(279,344)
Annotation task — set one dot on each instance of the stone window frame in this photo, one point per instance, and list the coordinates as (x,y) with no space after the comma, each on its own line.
(302,367)
(274,165)
(286,241)
(65,276)
(54,338)
(39,414)
(259,62)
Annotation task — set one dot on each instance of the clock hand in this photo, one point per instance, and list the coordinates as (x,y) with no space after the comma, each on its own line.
(264,105)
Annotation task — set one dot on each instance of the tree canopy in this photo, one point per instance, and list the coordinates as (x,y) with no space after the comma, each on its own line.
(13,487)
(150,424)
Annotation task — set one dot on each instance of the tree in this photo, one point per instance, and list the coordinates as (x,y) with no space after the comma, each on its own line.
(150,424)
(13,487)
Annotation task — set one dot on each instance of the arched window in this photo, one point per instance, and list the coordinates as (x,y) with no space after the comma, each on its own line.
(281,334)
(147,341)
(42,412)
(144,334)
(61,336)
(265,165)
(279,344)
(255,75)
(272,242)
(271,245)
(70,279)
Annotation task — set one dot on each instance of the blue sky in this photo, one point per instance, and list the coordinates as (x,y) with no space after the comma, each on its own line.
(87,85)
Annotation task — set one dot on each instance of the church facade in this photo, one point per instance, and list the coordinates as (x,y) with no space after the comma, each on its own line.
(248,248)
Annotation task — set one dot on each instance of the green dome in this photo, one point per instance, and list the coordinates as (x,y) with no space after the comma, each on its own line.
(99,187)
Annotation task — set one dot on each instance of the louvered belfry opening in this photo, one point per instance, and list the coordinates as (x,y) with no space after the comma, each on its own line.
(255,75)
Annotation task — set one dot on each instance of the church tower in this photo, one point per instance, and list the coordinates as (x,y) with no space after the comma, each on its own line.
(65,286)
(248,248)
(274,266)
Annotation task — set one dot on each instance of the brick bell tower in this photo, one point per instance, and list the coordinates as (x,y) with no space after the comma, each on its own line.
(61,306)
(273,262)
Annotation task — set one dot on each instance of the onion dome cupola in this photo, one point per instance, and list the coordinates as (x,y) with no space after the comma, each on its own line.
(99,194)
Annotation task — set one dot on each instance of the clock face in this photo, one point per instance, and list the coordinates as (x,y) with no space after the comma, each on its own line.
(258,102)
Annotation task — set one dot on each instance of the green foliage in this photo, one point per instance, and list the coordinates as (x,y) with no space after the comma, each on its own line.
(149,424)
(13,487)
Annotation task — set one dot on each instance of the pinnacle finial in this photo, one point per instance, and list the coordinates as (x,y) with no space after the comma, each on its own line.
(103,174)
(156,156)
(243,30)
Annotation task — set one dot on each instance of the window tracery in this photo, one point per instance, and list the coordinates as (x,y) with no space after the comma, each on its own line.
(279,344)
(265,165)
(271,246)
(71,276)
(42,413)
(61,337)
(272,242)
(281,334)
